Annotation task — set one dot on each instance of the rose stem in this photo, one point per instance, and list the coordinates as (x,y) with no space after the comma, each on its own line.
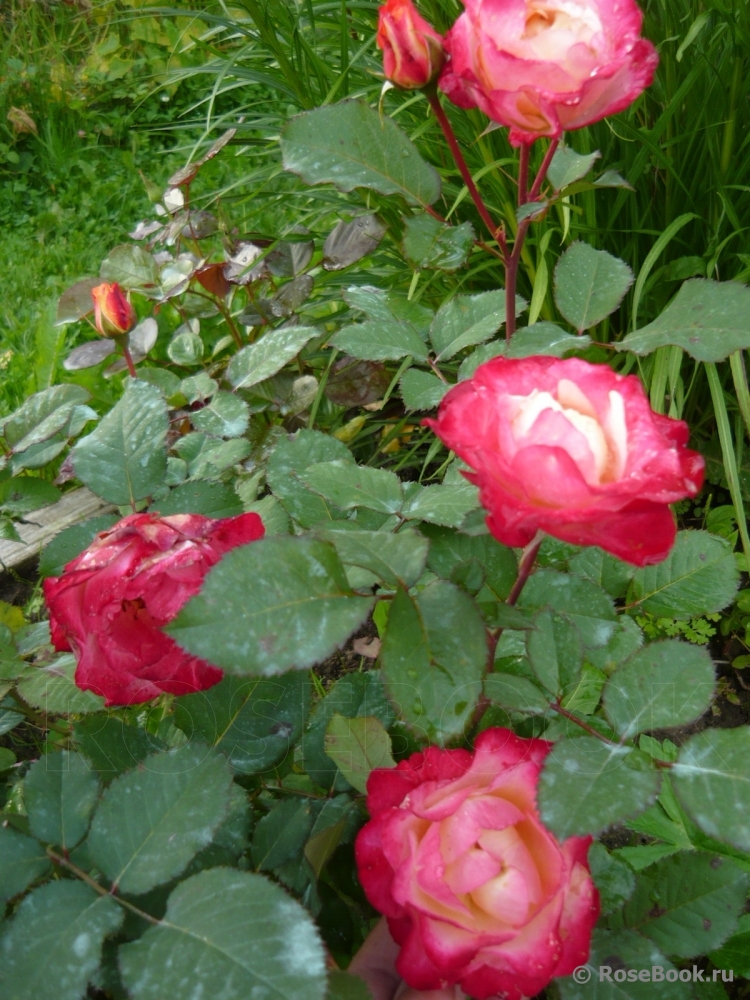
(445,125)
(511,265)
(58,859)
(528,558)
(523,174)
(129,361)
(537,186)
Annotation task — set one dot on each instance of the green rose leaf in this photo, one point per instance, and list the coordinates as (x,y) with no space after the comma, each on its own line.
(152,821)
(735,953)
(665,684)
(210,499)
(267,356)
(393,558)
(289,460)
(689,903)
(71,542)
(430,243)
(613,878)
(580,600)
(125,458)
(112,745)
(351,145)
(130,266)
(281,835)
(60,792)
(698,577)
(422,390)
(225,416)
(253,722)
(607,783)
(623,950)
(567,166)
(53,945)
(466,320)
(347,485)
(589,285)
(445,505)
(53,689)
(357,746)
(516,694)
(230,934)
(22,860)
(545,338)
(555,651)
(434,655)
(712,780)
(353,696)
(377,340)
(267,607)
(42,416)
(24,494)
(709,320)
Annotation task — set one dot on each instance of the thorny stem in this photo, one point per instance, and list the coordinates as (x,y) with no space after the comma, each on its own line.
(455,149)
(59,859)
(525,567)
(537,185)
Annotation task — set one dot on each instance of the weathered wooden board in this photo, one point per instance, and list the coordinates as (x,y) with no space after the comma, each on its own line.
(45,523)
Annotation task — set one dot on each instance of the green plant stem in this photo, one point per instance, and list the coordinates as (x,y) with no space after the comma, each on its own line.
(64,862)
(739,375)
(445,125)
(728,454)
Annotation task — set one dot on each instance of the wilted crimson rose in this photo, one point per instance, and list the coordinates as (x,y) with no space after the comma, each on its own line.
(476,890)
(541,67)
(113,314)
(574,450)
(412,50)
(112,600)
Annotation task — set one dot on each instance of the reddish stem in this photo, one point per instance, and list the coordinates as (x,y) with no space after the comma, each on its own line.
(523,174)
(129,361)
(455,149)
(525,566)
(511,265)
(537,186)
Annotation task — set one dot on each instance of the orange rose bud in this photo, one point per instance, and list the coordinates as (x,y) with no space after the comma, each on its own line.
(113,314)
(413,53)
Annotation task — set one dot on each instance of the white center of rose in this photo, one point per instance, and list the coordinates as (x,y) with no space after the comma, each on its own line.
(606,435)
(553,26)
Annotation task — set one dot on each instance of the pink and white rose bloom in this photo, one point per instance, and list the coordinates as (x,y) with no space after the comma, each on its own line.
(571,449)
(541,67)
(476,890)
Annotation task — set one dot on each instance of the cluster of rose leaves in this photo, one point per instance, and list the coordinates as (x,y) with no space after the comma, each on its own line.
(475,889)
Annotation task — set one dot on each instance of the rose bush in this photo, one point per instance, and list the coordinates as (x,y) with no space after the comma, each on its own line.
(113,314)
(572,449)
(412,50)
(111,601)
(544,66)
(475,889)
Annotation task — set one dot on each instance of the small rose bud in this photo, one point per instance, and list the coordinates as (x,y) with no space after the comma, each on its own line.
(413,52)
(113,314)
